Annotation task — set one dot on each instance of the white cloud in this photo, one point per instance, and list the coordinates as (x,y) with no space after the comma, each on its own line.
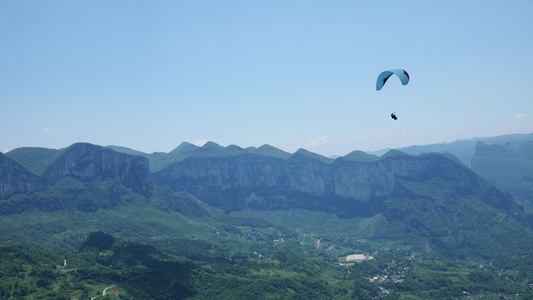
(518,116)
(47,129)
(200,143)
(323,140)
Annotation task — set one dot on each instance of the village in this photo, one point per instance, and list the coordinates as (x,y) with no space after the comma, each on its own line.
(394,273)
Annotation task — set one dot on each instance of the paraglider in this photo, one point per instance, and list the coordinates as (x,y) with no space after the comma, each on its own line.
(385,75)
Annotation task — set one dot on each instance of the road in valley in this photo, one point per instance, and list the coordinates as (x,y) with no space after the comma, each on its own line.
(103,293)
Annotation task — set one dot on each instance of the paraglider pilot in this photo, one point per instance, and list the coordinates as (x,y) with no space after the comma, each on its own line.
(385,75)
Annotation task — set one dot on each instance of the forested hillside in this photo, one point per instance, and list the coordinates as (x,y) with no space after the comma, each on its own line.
(234,223)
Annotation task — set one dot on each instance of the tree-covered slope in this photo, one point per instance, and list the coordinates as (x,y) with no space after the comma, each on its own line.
(34,159)
(291,218)
(161,160)
(15,179)
(127,270)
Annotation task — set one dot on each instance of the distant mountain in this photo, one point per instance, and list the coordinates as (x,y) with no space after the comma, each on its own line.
(34,159)
(462,149)
(508,165)
(506,161)
(358,156)
(160,160)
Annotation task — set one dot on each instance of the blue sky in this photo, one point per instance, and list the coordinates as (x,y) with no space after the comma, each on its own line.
(149,75)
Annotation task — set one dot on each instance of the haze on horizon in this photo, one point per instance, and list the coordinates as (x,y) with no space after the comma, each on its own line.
(298,74)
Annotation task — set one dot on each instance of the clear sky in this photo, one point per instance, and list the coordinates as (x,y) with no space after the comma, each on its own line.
(150,75)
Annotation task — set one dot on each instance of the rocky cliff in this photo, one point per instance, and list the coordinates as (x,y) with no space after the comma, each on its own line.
(87,162)
(85,177)
(15,179)
(262,178)
(82,161)
(246,180)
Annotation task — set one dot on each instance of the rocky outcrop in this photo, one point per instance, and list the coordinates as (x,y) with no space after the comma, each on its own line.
(305,180)
(235,179)
(84,176)
(87,162)
(15,179)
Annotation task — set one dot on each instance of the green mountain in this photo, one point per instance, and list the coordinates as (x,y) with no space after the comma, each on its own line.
(269,151)
(34,159)
(234,223)
(400,187)
(359,156)
(504,160)
(160,160)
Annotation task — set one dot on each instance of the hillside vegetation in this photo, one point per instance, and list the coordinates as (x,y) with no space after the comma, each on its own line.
(258,223)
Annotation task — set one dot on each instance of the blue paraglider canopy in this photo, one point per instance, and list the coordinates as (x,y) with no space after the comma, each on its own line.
(384,76)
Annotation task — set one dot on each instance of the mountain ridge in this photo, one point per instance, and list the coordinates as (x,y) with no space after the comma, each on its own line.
(234,178)
(463,149)
(431,199)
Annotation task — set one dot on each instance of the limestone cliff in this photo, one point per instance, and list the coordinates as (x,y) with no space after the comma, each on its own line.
(247,180)
(87,162)
(254,178)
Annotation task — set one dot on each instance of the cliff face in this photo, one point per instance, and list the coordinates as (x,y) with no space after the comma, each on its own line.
(249,181)
(84,177)
(88,162)
(84,162)
(235,179)
(15,179)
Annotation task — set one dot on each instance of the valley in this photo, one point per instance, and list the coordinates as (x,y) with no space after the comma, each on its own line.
(218,222)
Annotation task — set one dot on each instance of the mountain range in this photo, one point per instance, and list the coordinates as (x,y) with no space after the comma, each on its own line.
(231,205)
(234,178)
(432,195)
(464,149)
